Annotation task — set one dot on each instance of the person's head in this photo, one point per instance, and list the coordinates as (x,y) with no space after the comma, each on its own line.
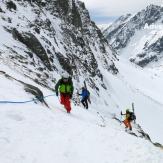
(83,88)
(127,110)
(65,77)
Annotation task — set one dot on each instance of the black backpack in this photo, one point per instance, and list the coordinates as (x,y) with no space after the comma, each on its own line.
(132,116)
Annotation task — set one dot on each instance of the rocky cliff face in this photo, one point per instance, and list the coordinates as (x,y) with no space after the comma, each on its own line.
(140,34)
(41,39)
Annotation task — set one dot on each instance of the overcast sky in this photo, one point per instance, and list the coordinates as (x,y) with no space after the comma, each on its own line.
(105,11)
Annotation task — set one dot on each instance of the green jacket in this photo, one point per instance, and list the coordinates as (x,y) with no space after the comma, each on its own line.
(64,87)
(128,115)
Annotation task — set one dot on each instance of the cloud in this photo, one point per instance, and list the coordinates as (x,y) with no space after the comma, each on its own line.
(112,8)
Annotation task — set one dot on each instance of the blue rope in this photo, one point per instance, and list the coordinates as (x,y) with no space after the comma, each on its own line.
(24,102)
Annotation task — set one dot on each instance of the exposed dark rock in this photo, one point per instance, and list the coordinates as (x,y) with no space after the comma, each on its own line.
(143,62)
(63,6)
(65,63)
(1,10)
(157,46)
(75,18)
(113,68)
(11,5)
(145,58)
(60,36)
(29,53)
(158,145)
(37,30)
(34,45)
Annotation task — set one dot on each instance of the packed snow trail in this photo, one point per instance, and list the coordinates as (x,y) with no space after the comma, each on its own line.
(33,133)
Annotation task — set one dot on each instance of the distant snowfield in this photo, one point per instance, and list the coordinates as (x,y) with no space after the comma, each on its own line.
(33,133)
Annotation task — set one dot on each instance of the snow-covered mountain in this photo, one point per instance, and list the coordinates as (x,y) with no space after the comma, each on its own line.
(104,26)
(40,39)
(139,37)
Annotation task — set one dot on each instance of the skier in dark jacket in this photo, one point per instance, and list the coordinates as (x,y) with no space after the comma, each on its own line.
(65,87)
(85,97)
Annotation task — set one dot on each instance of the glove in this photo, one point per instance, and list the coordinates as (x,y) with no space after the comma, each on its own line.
(56,93)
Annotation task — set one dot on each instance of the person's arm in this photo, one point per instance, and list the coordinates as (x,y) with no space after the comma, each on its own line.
(122,113)
(82,93)
(57,86)
(72,87)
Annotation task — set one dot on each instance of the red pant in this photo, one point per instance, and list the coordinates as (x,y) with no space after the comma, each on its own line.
(65,100)
(127,124)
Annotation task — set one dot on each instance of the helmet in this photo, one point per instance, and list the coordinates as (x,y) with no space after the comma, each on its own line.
(65,75)
(127,110)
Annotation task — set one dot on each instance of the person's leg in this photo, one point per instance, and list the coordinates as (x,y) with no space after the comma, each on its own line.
(129,125)
(83,102)
(125,123)
(62,99)
(67,103)
(86,103)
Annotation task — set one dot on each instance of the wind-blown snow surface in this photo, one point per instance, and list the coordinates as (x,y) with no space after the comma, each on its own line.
(33,133)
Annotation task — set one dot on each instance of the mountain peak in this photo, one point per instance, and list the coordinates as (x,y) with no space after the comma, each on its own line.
(153,6)
(127,30)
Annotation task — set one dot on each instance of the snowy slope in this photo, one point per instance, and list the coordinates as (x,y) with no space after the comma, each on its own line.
(138,38)
(33,133)
(144,88)
(68,40)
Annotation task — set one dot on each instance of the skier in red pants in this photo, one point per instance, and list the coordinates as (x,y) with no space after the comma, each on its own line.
(65,87)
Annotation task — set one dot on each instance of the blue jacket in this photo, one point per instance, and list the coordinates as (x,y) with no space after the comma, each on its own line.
(85,93)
